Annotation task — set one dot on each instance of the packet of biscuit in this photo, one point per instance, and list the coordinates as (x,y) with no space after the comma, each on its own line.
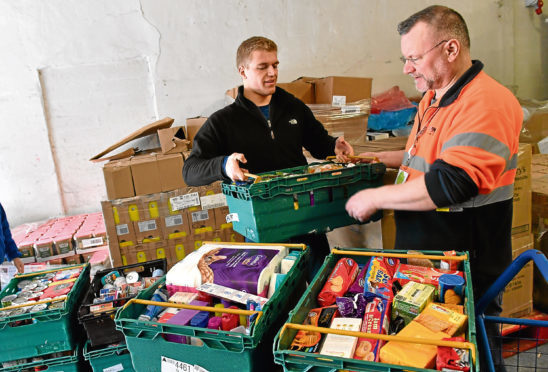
(380,275)
(311,341)
(342,276)
(452,359)
(375,320)
(357,286)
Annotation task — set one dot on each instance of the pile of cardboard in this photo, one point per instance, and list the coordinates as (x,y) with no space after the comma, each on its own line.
(151,213)
(340,103)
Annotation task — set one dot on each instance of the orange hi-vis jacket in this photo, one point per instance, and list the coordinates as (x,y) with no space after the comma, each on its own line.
(466,145)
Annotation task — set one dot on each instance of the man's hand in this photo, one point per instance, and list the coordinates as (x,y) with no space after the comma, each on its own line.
(361,205)
(232,168)
(19,265)
(343,149)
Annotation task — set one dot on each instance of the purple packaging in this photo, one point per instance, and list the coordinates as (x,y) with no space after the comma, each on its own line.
(182,318)
(357,286)
(240,269)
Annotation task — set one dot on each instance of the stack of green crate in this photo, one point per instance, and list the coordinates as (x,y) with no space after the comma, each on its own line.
(292,360)
(297,202)
(27,335)
(221,350)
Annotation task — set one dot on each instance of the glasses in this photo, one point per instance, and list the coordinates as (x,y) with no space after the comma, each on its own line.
(416,59)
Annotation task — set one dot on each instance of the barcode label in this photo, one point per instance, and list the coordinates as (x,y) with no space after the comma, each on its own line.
(213,201)
(175,220)
(122,229)
(149,225)
(185,201)
(232,217)
(350,109)
(200,216)
(93,242)
(172,365)
(339,101)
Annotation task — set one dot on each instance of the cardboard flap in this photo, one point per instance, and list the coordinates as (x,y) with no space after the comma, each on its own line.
(144,131)
(122,155)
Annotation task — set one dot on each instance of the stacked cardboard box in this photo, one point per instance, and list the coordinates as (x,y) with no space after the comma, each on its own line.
(517,299)
(340,103)
(166,225)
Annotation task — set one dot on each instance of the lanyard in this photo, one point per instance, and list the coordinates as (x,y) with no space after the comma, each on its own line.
(420,131)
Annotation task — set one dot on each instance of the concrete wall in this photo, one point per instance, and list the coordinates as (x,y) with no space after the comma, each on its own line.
(79,75)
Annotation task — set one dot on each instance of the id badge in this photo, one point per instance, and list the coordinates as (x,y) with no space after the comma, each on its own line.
(401,177)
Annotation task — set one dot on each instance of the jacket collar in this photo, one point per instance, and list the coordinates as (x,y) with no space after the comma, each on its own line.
(451,95)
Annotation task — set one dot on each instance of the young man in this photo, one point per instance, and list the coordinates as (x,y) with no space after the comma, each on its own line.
(265,129)
(455,184)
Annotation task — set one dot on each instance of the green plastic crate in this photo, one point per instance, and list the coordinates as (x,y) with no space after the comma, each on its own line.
(302,361)
(51,330)
(111,358)
(222,351)
(281,208)
(68,363)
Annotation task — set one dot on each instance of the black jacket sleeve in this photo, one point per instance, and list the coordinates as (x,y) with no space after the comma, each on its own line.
(316,139)
(448,185)
(204,165)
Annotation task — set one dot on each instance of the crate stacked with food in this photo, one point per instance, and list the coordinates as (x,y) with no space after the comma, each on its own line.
(38,317)
(219,307)
(369,309)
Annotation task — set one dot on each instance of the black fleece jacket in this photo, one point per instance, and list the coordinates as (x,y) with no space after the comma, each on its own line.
(241,127)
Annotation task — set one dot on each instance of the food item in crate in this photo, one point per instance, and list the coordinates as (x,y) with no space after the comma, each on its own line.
(411,300)
(151,311)
(338,282)
(324,167)
(182,318)
(453,359)
(311,341)
(380,275)
(351,307)
(375,321)
(449,264)
(451,288)
(357,286)
(441,319)
(420,274)
(67,274)
(424,262)
(244,268)
(338,345)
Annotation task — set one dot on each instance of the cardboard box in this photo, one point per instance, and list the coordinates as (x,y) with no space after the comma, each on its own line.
(517,299)
(539,187)
(158,250)
(170,168)
(199,218)
(521,219)
(179,248)
(339,90)
(535,129)
(173,140)
(148,230)
(193,125)
(118,180)
(302,88)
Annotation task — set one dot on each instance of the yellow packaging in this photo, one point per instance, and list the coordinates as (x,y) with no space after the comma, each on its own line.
(440,318)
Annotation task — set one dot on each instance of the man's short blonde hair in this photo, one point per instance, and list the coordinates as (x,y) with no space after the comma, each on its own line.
(252,44)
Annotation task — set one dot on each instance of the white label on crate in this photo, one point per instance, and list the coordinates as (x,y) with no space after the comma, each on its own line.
(122,229)
(350,109)
(114,368)
(145,226)
(231,217)
(339,101)
(175,220)
(172,365)
(200,216)
(93,242)
(213,201)
(185,201)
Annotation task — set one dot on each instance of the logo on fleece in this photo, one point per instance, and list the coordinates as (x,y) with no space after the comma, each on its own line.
(293,121)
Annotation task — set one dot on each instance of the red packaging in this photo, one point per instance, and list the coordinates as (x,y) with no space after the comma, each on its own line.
(449,264)
(420,274)
(375,320)
(230,321)
(342,276)
(453,359)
